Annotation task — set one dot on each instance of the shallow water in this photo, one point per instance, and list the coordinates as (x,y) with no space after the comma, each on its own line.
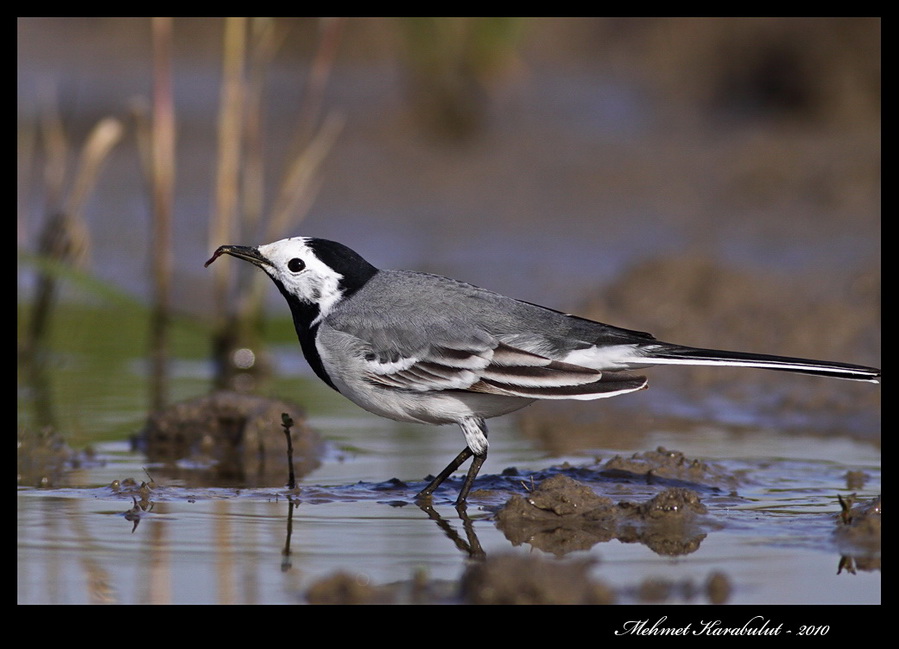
(773,537)
(773,540)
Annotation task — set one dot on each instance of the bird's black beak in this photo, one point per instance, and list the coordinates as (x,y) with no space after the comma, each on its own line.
(246,253)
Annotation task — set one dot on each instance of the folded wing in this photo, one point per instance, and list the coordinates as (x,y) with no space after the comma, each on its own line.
(494,369)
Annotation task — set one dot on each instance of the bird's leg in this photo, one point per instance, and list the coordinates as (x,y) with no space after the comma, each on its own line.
(475,431)
(447,472)
(469,479)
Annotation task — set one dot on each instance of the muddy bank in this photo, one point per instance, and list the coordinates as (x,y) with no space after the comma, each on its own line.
(664,501)
(560,516)
(695,300)
(517,580)
(564,516)
(43,458)
(858,534)
(231,437)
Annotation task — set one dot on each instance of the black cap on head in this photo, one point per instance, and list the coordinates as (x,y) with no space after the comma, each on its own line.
(346,261)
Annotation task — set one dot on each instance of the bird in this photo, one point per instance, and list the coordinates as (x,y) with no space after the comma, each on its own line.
(418,347)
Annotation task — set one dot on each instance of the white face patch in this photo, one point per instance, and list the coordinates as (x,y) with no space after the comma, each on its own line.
(302,274)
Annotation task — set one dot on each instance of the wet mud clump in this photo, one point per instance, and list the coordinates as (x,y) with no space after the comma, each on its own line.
(560,516)
(663,465)
(518,579)
(563,515)
(716,589)
(235,436)
(43,458)
(858,534)
(503,579)
(344,588)
(512,579)
(141,495)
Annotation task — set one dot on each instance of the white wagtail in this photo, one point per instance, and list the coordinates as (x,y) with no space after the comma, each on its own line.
(422,348)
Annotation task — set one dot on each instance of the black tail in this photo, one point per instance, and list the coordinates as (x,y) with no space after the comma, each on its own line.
(679,355)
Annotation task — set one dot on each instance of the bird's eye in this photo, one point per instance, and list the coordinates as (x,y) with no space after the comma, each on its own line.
(296,265)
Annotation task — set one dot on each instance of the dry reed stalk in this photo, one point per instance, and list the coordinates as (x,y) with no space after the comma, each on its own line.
(162,167)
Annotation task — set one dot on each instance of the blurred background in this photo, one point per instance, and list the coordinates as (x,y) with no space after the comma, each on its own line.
(713,181)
